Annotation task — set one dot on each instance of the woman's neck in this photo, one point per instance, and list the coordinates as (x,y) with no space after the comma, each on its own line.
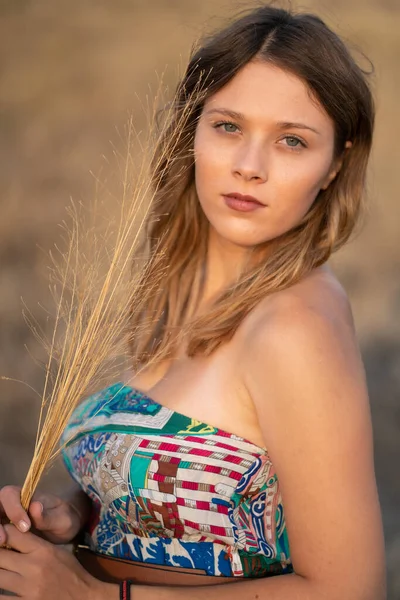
(225,263)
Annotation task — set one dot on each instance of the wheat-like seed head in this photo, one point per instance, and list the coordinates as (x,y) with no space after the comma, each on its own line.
(94,286)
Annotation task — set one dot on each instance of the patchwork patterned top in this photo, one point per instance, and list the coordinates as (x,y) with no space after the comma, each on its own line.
(171,490)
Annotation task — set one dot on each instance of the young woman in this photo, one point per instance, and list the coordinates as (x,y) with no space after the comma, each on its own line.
(244,452)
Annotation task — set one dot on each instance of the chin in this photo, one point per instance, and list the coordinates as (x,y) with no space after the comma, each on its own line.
(241,238)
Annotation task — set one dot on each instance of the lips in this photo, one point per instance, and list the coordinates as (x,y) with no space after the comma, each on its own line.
(242,203)
(243,198)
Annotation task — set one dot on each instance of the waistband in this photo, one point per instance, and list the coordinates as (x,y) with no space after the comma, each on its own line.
(114,570)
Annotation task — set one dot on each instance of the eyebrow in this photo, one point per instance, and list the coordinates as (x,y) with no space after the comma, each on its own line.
(240,117)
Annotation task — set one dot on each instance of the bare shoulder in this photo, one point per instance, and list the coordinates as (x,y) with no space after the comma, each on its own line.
(313,316)
(318,298)
(301,356)
(303,371)
(300,351)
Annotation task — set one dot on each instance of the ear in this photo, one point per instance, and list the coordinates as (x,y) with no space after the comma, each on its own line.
(337,165)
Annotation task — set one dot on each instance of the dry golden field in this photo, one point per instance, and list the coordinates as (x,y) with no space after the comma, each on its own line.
(71,72)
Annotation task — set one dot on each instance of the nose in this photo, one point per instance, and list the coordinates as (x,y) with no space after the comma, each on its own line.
(250,163)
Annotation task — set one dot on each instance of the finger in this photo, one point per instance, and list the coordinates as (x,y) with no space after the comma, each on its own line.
(10,499)
(49,519)
(36,512)
(23,542)
(11,582)
(2,535)
(47,500)
(45,512)
(10,560)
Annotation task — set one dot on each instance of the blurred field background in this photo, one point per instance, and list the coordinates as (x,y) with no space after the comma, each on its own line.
(71,74)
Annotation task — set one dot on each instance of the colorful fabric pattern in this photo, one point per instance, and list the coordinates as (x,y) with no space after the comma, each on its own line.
(170,490)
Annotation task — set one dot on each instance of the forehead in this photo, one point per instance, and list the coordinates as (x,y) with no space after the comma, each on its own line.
(263,92)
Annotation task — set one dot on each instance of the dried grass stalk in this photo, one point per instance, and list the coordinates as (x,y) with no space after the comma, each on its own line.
(94,286)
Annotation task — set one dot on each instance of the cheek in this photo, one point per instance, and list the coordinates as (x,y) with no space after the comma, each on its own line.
(295,189)
(210,167)
(208,152)
(300,182)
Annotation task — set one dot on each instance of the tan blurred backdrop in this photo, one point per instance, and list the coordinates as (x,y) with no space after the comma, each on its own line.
(71,72)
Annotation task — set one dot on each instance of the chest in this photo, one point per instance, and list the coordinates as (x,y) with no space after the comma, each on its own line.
(208,389)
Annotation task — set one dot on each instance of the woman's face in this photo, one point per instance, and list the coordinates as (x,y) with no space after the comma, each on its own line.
(261,135)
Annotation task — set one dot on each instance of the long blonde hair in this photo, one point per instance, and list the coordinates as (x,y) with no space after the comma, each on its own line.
(177,229)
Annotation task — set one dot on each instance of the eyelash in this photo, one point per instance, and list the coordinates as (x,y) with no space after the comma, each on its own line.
(292,137)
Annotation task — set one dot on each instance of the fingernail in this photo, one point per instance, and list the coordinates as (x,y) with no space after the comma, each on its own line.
(41,508)
(23,526)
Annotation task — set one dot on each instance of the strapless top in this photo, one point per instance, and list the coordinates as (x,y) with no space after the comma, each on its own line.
(170,490)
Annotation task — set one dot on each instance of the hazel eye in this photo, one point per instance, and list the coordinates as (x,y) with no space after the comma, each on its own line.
(230,127)
(227,126)
(294,142)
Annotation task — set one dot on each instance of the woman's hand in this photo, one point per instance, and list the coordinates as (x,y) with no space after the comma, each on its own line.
(41,571)
(52,518)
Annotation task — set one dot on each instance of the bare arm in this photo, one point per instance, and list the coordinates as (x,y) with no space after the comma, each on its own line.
(307,381)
